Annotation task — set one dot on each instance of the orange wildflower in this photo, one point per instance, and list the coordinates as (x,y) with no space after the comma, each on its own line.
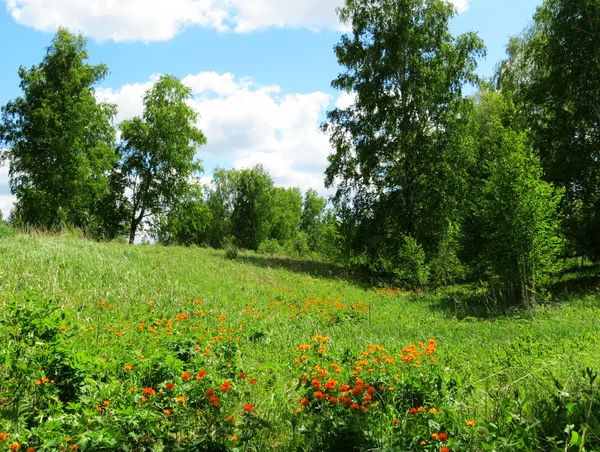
(242,375)
(128,367)
(181,399)
(252,381)
(332,400)
(354,406)
(214,400)
(38,382)
(30,449)
(106,403)
(14,447)
(74,447)
(445,449)
(331,384)
(185,375)
(98,408)
(62,328)
(170,385)
(143,400)
(443,437)
(3,436)
(248,407)
(226,386)
(471,423)
(200,375)
(149,391)
(304,402)
(395,421)
(132,389)
(210,392)
(167,412)
(423,442)
(230,419)
(68,439)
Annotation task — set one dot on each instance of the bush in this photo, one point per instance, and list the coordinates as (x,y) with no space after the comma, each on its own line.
(410,267)
(270,246)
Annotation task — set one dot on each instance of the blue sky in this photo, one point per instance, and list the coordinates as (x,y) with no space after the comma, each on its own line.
(260,69)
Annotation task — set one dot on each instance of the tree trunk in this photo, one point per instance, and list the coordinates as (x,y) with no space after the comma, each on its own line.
(132,230)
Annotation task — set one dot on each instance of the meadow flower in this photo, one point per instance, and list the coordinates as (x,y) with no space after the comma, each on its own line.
(170,385)
(14,447)
(30,449)
(128,367)
(445,449)
(214,400)
(395,421)
(74,447)
(106,403)
(185,375)
(149,391)
(304,402)
(471,423)
(230,419)
(200,375)
(181,399)
(210,392)
(62,328)
(226,386)
(143,400)
(443,437)
(354,406)
(248,407)
(3,436)
(167,412)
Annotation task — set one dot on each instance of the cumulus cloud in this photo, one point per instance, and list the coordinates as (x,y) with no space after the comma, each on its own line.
(160,20)
(248,124)
(6,199)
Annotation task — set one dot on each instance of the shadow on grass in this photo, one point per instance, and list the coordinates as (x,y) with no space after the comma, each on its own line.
(577,281)
(316,269)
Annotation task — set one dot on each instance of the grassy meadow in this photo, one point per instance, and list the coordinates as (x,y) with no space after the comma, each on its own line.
(114,347)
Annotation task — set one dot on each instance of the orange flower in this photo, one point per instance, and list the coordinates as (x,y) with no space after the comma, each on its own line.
(68,439)
(252,381)
(210,392)
(170,385)
(316,384)
(443,437)
(248,407)
(38,382)
(444,449)
(331,384)
(74,447)
(242,375)
(234,438)
(226,386)
(395,421)
(167,412)
(304,402)
(354,406)
(230,419)
(30,449)
(149,391)
(181,399)
(98,408)
(144,400)
(62,328)
(128,367)
(413,411)
(46,380)
(132,389)
(434,436)
(106,403)
(344,388)
(332,400)
(185,375)
(423,442)
(471,423)
(3,436)
(433,410)
(200,375)
(14,447)
(215,401)
(319,395)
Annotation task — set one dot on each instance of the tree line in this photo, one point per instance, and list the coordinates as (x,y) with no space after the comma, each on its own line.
(431,185)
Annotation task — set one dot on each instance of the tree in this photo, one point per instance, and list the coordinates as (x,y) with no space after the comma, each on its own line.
(252,212)
(313,212)
(285,214)
(187,222)
(552,71)
(158,151)
(60,139)
(521,223)
(220,202)
(400,160)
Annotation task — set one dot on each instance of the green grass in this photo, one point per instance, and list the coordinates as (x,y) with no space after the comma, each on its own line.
(488,356)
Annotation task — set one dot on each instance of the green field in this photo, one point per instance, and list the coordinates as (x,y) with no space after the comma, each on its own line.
(519,375)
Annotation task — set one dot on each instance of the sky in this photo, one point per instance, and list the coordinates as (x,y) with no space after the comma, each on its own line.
(260,70)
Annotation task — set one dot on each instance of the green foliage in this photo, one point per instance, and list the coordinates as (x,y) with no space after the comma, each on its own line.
(521,215)
(286,214)
(410,267)
(252,207)
(220,201)
(158,151)
(187,222)
(400,160)
(60,139)
(551,71)
(312,222)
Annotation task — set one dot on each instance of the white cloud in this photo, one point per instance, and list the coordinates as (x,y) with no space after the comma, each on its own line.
(160,20)
(247,124)
(6,199)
